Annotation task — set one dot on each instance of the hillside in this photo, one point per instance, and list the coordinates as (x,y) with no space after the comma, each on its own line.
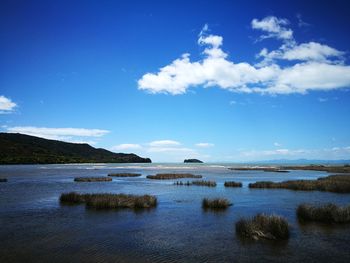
(18,148)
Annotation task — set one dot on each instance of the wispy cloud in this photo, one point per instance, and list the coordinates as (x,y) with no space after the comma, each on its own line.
(6,105)
(75,135)
(301,22)
(204,144)
(334,153)
(322,99)
(277,144)
(311,66)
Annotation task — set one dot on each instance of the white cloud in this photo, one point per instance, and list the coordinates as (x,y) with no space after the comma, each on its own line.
(305,77)
(311,51)
(204,144)
(312,66)
(277,144)
(6,105)
(74,135)
(275,27)
(164,143)
(126,146)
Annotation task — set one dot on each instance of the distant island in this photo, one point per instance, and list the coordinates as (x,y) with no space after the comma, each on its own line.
(18,148)
(192,161)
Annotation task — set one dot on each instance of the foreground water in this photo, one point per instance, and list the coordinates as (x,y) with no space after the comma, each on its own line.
(36,228)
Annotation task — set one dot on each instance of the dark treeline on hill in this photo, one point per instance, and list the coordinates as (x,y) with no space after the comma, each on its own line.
(18,148)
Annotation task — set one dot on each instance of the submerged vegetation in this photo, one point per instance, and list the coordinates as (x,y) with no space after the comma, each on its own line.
(124,174)
(198,182)
(333,183)
(188,183)
(110,201)
(93,179)
(328,213)
(3,180)
(166,176)
(263,226)
(216,203)
(232,184)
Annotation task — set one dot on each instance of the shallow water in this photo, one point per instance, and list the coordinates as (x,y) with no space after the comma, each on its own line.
(36,228)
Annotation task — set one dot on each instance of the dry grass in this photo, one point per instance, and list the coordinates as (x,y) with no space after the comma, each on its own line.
(110,201)
(216,203)
(233,184)
(332,183)
(124,174)
(167,176)
(3,180)
(93,179)
(204,183)
(328,213)
(263,226)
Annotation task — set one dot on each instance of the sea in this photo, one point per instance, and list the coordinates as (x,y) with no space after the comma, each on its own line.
(35,227)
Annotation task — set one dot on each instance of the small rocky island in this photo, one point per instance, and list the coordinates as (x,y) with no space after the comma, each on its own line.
(192,161)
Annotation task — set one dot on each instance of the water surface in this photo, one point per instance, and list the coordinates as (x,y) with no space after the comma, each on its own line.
(36,228)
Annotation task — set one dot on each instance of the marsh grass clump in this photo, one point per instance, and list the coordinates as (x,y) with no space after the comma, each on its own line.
(232,184)
(110,201)
(73,198)
(216,203)
(114,201)
(328,213)
(263,226)
(3,180)
(124,174)
(166,176)
(339,183)
(93,179)
(204,183)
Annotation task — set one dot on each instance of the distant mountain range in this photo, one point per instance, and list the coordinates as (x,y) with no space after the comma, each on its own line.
(301,162)
(16,148)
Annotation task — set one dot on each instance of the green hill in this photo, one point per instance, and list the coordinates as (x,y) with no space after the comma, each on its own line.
(18,148)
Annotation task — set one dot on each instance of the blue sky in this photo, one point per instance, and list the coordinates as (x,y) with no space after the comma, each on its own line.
(215,80)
